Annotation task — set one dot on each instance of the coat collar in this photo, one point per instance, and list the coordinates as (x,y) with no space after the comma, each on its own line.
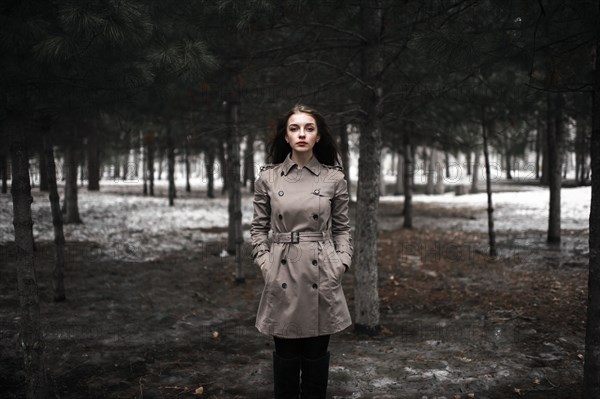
(313,165)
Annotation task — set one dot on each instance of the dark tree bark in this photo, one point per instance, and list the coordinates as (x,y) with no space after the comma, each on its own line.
(117,168)
(93,158)
(171,166)
(366,294)
(538,144)
(150,162)
(475,175)
(548,133)
(161,155)
(345,153)
(408,180)
(249,167)
(591,366)
(399,188)
(30,331)
(4,172)
(43,171)
(209,162)
(223,166)
(488,187)
(447,163)
(188,187)
(235,238)
(71,203)
(468,160)
(554,165)
(57,222)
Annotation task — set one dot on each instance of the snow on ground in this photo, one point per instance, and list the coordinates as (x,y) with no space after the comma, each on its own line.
(137,228)
(518,210)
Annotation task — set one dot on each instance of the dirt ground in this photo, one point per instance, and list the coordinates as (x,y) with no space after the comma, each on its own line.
(455,323)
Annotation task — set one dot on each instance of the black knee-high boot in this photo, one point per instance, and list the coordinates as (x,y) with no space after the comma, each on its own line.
(286,375)
(315,374)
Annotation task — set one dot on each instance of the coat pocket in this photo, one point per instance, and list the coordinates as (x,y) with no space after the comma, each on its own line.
(265,264)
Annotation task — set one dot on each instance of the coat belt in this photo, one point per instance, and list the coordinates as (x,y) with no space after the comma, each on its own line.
(297,236)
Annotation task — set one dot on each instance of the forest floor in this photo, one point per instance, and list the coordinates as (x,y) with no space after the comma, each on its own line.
(455,322)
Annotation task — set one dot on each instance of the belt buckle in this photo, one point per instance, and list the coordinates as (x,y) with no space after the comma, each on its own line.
(295,236)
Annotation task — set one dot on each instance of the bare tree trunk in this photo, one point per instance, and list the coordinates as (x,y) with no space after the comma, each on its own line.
(382,187)
(408,181)
(43,171)
(549,132)
(475,176)
(580,149)
(249,171)
(439,182)
(171,166)
(554,166)
(399,189)
(591,366)
(447,163)
(93,158)
(345,154)
(488,187)
(468,157)
(71,203)
(161,155)
(366,291)
(150,162)
(30,330)
(431,170)
(235,238)
(4,171)
(57,222)
(188,187)
(117,168)
(538,144)
(223,167)
(209,161)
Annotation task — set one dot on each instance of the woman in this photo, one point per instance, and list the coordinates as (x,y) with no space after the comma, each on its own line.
(303,197)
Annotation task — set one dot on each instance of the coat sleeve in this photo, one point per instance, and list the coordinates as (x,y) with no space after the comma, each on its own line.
(340,222)
(261,220)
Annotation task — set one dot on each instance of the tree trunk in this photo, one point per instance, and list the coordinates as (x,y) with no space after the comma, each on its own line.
(57,222)
(345,154)
(548,133)
(408,181)
(161,155)
(447,163)
(93,158)
(150,163)
(580,148)
(431,170)
(508,160)
(209,161)
(538,144)
(382,188)
(71,205)
(117,168)
(249,172)
(468,156)
(235,239)
(475,176)
(188,187)
(30,330)
(43,171)
(223,167)
(171,166)
(439,182)
(591,366)
(554,165)
(399,189)
(366,294)
(488,188)
(4,171)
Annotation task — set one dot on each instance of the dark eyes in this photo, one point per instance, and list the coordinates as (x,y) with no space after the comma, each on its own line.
(294,128)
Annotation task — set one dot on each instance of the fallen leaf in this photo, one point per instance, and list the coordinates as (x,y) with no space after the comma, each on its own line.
(199,391)
(518,391)
(215,334)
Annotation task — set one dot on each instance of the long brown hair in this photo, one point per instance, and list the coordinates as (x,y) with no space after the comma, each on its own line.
(325,149)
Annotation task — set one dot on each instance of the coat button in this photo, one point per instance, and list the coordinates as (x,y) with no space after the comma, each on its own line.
(317,191)
(283,261)
(280,193)
(280,217)
(284,285)
(315,216)
(314,286)
(314,262)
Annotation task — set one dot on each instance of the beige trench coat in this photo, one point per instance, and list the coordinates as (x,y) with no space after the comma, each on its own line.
(303,295)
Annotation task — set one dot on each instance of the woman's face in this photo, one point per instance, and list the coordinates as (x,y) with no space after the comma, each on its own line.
(301,132)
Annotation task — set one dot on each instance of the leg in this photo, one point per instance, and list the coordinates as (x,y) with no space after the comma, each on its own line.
(315,367)
(286,368)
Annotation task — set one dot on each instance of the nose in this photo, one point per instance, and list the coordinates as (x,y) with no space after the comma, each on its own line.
(302,132)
